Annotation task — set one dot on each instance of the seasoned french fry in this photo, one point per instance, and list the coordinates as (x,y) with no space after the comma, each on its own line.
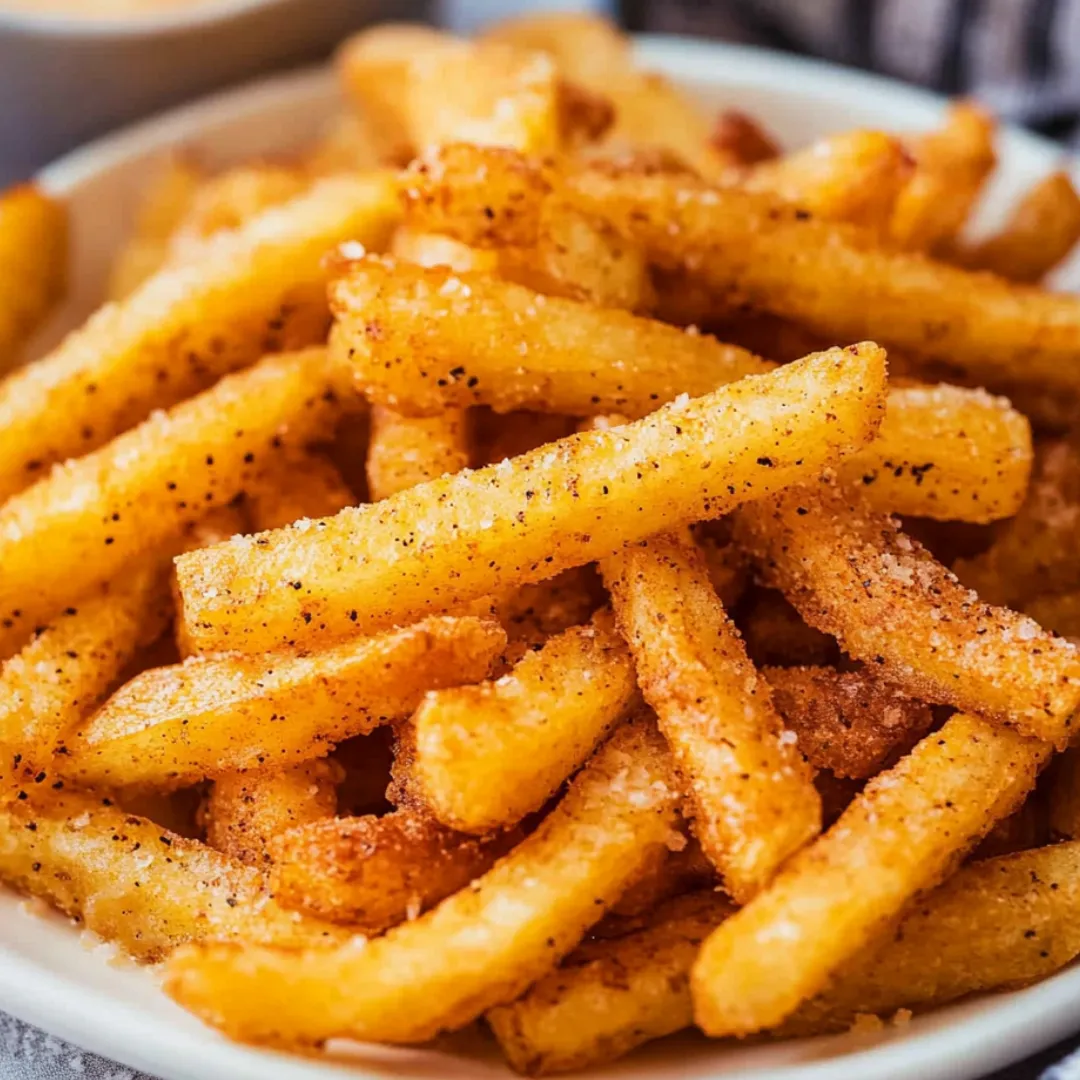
(161,209)
(506,435)
(257,290)
(305,486)
(489,754)
(907,830)
(1064,800)
(245,811)
(375,872)
(610,996)
(741,140)
(951,166)
(1041,231)
(854,574)
(677,871)
(776,634)
(213,715)
(534,612)
(479,948)
(948,453)
(408,450)
(752,796)
(33,265)
(127,880)
(510,524)
(62,675)
(850,722)
(93,515)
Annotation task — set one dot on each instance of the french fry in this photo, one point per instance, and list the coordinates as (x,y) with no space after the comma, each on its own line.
(850,722)
(33,265)
(1059,612)
(951,166)
(479,948)
(1035,553)
(245,811)
(776,634)
(407,450)
(134,884)
(1064,797)
(93,515)
(374,872)
(534,613)
(832,278)
(162,207)
(506,435)
(515,523)
(1041,231)
(345,145)
(905,833)
(741,140)
(852,573)
(610,996)
(677,871)
(948,453)
(213,715)
(257,290)
(63,674)
(750,792)
(305,486)
(489,754)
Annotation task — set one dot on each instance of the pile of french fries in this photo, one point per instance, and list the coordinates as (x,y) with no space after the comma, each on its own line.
(544,557)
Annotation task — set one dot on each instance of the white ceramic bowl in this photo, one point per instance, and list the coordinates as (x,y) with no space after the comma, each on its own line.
(65,78)
(48,978)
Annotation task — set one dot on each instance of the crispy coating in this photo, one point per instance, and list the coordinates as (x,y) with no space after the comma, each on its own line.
(91,516)
(489,754)
(33,265)
(1042,229)
(850,722)
(375,872)
(212,715)
(131,882)
(479,948)
(680,869)
(421,340)
(750,793)
(560,506)
(904,833)
(610,996)
(246,810)
(854,574)
(741,139)
(305,485)
(407,450)
(257,290)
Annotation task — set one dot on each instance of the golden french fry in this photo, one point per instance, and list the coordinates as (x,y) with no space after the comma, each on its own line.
(610,996)
(134,884)
(677,871)
(854,574)
(408,450)
(33,265)
(213,715)
(489,754)
(345,145)
(951,166)
(481,947)
(245,811)
(751,794)
(1064,796)
(305,486)
(849,722)
(257,290)
(524,521)
(162,207)
(905,833)
(90,516)
(375,872)
(1041,231)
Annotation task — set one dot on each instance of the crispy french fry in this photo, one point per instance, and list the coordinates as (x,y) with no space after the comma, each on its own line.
(33,265)
(750,791)
(62,675)
(257,290)
(489,754)
(408,450)
(514,523)
(776,634)
(213,715)
(854,574)
(305,486)
(245,811)
(951,166)
(127,880)
(1035,553)
(93,515)
(905,833)
(1064,797)
(741,140)
(506,435)
(1041,231)
(481,947)
(610,996)
(375,872)
(534,612)
(161,209)
(850,722)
